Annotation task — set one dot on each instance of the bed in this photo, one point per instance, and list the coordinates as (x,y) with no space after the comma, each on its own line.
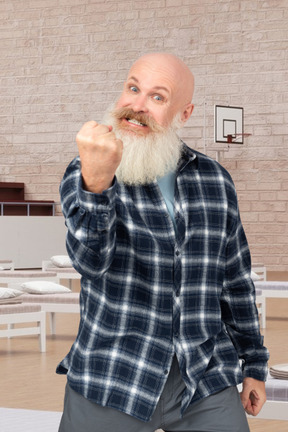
(14,278)
(54,303)
(62,272)
(11,314)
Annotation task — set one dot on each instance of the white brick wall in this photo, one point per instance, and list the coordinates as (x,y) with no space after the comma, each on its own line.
(63,61)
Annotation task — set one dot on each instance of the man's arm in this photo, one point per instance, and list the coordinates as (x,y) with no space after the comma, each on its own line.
(88,201)
(240,314)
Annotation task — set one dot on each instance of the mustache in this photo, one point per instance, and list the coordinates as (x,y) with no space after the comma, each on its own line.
(143,118)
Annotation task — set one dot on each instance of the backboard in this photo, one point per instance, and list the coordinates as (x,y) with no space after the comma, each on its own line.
(229,126)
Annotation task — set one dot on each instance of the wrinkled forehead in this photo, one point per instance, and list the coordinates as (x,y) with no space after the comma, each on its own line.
(153,75)
(164,71)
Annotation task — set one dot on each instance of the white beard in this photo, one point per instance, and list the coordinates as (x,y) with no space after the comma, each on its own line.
(146,157)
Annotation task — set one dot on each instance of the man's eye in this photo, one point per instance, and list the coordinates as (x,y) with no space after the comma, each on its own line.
(133,89)
(158,98)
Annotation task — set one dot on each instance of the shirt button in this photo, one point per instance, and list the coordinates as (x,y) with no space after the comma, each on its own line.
(105,217)
(177,252)
(176,335)
(166,372)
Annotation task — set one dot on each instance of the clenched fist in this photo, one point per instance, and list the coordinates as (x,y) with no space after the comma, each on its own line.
(100,154)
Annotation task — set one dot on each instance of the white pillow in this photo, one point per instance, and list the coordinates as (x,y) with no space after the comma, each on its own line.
(6,293)
(61,261)
(44,287)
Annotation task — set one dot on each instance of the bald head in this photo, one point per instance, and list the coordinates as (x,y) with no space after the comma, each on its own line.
(169,64)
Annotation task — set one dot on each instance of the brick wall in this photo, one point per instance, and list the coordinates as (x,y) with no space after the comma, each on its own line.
(63,61)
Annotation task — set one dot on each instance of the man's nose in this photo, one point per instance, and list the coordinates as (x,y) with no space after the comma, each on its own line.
(140,104)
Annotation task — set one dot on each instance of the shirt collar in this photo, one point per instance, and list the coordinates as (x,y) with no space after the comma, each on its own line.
(188,156)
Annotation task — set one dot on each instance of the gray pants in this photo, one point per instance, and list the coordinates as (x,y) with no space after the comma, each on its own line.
(221,412)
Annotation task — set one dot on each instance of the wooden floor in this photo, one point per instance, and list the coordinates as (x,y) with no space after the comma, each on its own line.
(30,382)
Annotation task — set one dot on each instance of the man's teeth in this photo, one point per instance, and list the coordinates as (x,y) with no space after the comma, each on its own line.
(135,122)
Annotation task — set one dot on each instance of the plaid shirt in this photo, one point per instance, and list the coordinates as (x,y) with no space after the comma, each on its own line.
(149,291)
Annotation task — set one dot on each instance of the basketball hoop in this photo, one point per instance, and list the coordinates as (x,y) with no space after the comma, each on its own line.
(233,138)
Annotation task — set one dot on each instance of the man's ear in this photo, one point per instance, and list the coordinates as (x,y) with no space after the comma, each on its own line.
(187,112)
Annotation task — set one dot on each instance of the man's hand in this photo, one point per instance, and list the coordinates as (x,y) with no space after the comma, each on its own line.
(100,154)
(253,395)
